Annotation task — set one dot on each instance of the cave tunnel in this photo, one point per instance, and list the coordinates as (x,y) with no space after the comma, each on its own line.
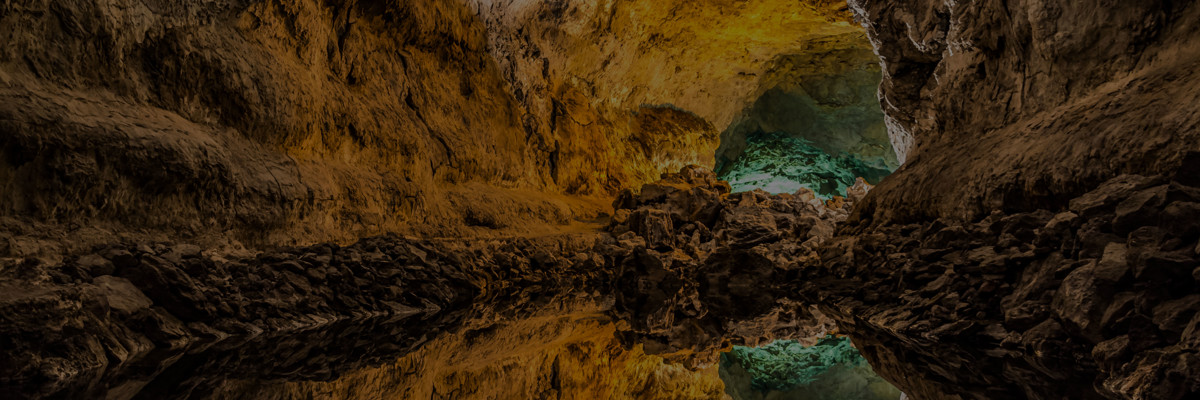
(817,124)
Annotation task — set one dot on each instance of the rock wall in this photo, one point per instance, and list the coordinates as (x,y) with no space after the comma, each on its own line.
(279,120)
(299,121)
(704,57)
(1029,104)
(1034,243)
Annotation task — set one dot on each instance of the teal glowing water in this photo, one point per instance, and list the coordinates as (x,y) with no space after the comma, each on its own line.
(830,370)
(786,364)
(778,163)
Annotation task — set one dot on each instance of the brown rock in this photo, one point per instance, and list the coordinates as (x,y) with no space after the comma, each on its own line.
(121,295)
(1113,266)
(1182,219)
(1173,316)
(1189,170)
(1081,301)
(96,265)
(1109,194)
(1139,209)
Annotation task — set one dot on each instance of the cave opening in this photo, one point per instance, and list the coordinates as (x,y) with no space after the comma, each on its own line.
(817,124)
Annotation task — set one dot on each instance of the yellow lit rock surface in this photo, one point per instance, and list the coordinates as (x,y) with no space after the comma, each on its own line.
(300,121)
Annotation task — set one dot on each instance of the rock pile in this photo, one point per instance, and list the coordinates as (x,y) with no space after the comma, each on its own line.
(699,265)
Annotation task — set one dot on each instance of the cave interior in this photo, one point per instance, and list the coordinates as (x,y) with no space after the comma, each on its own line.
(600,199)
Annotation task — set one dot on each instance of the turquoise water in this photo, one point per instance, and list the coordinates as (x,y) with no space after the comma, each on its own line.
(778,163)
(833,369)
(786,364)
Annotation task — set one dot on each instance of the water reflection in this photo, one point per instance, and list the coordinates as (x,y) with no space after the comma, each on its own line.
(566,347)
(237,367)
(832,369)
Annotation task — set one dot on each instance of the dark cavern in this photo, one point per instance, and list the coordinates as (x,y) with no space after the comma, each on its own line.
(600,199)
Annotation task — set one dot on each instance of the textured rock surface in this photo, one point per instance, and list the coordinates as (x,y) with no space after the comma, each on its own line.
(1023,268)
(114,305)
(302,121)
(1029,104)
(708,57)
(1045,304)
(281,121)
(700,260)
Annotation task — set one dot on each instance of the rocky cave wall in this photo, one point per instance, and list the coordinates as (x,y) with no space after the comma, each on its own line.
(1030,104)
(280,120)
(298,121)
(705,57)
(1057,260)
